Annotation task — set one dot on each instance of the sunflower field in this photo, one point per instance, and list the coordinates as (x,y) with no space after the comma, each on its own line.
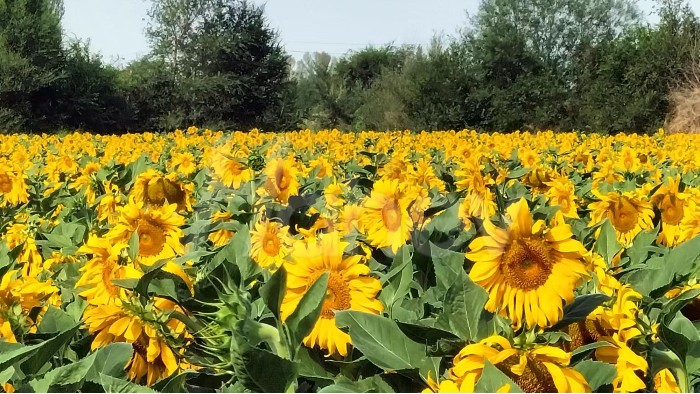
(210,261)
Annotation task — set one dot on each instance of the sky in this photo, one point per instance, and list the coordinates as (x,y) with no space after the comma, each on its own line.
(116,28)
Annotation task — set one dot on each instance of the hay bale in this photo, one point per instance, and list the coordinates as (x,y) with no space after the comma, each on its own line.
(684,114)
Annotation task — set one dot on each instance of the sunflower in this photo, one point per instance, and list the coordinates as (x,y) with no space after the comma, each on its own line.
(158,230)
(222,236)
(349,287)
(185,163)
(109,203)
(19,293)
(154,189)
(152,358)
(628,213)
(270,243)
(13,186)
(385,218)
(333,193)
(281,182)
(84,182)
(349,217)
(21,234)
(665,382)
(673,205)
(528,271)
(606,174)
(538,369)
(423,175)
(101,269)
(480,200)
(562,193)
(231,171)
(628,364)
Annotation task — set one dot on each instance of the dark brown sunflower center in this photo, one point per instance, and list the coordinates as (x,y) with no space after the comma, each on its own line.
(164,190)
(671,209)
(624,215)
(535,378)
(337,295)
(141,345)
(151,238)
(391,215)
(5,183)
(527,264)
(583,333)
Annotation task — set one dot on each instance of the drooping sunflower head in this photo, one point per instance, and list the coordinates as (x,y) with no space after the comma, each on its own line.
(349,287)
(628,213)
(158,230)
(539,369)
(154,189)
(562,193)
(270,243)
(153,359)
(281,182)
(529,271)
(385,218)
(673,205)
(230,169)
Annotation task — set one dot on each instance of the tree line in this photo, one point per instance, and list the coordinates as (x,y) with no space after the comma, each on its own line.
(589,65)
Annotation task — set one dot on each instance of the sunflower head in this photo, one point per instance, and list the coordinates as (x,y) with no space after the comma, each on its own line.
(628,212)
(529,271)
(349,287)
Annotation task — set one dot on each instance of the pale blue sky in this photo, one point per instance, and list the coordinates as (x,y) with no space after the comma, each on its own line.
(115,28)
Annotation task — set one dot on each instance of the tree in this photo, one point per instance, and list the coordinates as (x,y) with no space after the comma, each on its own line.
(31,58)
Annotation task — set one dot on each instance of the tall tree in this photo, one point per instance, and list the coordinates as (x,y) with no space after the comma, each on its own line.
(31,58)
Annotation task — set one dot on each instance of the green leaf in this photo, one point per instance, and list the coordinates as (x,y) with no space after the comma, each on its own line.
(266,372)
(134,245)
(397,282)
(381,340)
(582,352)
(307,313)
(580,309)
(449,266)
(56,320)
(48,350)
(116,385)
(607,245)
(462,307)
(493,379)
(597,374)
(672,307)
(110,360)
(344,385)
(311,368)
(173,384)
(424,334)
(272,292)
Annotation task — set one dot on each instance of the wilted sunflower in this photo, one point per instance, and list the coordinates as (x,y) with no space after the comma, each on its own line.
(349,287)
(152,358)
(385,218)
(631,368)
(13,186)
(563,194)
(539,369)
(665,382)
(628,213)
(154,189)
(673,205)
(269,243)
(101,269)
(281,182)
(529,271)
(222,236)
(19,293)
(158,230)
